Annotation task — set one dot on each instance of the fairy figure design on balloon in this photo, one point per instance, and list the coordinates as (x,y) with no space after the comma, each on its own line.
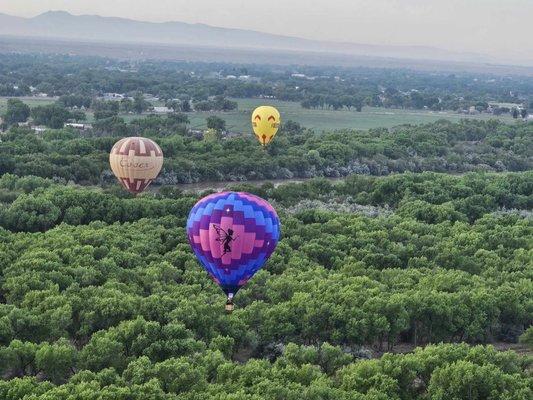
(225,238)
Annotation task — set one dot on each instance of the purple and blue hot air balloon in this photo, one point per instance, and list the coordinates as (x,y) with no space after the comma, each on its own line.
(232,234)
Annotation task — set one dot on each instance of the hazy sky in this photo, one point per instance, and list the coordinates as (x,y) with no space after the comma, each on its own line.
(497,27)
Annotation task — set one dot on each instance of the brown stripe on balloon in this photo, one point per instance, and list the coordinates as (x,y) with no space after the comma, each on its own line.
(148,146)
(151,146)
(124,146)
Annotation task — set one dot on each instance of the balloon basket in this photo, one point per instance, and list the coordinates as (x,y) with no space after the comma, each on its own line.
(229,307)
(229,304)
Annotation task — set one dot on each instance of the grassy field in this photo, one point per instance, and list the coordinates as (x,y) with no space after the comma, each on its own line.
(31,101)
(320,120)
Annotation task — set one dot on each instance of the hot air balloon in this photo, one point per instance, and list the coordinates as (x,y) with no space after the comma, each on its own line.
(265,121)
(232,234)
(136,162)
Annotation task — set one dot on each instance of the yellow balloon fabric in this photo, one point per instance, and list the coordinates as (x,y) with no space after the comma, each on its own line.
(265,121)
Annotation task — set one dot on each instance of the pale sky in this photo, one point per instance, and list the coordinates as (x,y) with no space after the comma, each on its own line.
(495,27)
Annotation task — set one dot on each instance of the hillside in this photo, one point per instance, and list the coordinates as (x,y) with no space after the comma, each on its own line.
(62,25)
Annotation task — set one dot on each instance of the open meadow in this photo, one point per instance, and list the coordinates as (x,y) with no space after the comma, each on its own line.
(319,120)
(31,101)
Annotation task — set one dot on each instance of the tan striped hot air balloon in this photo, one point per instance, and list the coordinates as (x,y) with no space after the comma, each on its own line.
(136,162)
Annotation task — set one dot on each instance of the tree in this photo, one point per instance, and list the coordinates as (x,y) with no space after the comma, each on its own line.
(466,380)
(102,352)
(216,123)
(18,358)
(31,213)
(515,113)
(185,106)
(140,104)
(222,104)
(175,105)
(70,101)
(357,102)
(53,116)
(292,127)
(56,360)
(523,113)
(126,105)
(178,118)
(203,106)
(78,115)
(114,125)
(16,112)
(103,114)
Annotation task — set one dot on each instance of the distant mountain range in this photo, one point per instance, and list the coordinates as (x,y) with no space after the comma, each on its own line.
(65,26)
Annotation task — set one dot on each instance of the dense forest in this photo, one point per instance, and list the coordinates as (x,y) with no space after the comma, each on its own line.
(314,87)
(101,297)
(407,278)
(297,152)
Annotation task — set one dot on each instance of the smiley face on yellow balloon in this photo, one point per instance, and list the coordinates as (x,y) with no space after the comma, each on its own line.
(265,121)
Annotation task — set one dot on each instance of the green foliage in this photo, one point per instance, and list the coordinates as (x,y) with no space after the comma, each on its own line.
(16,112)
(465,380)
(52,116)
(56,360)
(216,123)
(139,103)
(527,337)
(75,78)
(101,297)
(438,147)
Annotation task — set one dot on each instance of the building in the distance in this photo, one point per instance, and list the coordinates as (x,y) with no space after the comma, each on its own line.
(39,130)
(162,110)
(80,127)
(113,96)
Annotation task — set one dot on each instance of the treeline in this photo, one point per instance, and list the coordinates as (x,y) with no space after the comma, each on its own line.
(313,373)
(37,204)
(56,75)
(52,115)
(218,103)
(393,98)
(334,102)
(296,153)
(105,113)
(47,208)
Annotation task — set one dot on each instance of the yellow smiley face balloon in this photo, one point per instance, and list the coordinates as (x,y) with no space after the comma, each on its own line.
(265,121)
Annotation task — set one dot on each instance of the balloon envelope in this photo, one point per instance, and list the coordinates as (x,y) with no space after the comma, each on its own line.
(265,122)
(232,234)
(136,162)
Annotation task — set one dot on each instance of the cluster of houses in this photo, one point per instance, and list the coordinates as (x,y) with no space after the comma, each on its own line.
(497,109)
(245,78)
(40,129)
(148,97)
